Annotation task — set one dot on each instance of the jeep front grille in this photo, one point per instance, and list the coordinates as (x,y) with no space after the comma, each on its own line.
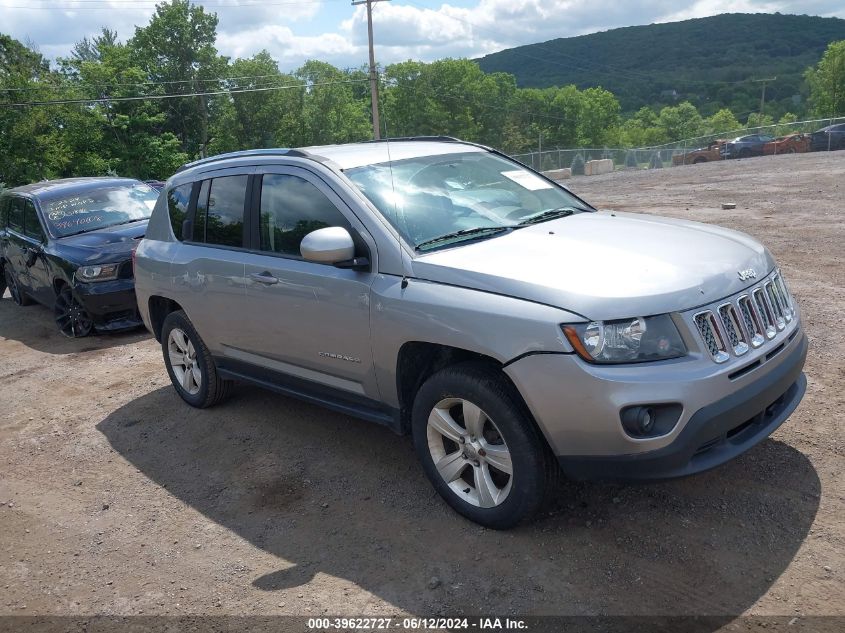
(746,321)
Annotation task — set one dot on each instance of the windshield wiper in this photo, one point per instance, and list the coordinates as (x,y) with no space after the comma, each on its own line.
(464,233)
(549,214)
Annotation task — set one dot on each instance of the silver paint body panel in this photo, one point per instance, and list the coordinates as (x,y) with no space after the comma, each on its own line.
(504,298)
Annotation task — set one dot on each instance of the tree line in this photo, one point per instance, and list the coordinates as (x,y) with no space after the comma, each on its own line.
(143,107)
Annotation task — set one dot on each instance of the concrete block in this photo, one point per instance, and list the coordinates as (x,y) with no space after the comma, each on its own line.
(558,174)
(596,167)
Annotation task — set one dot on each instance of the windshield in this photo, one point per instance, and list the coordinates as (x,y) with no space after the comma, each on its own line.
(456,196)
(99,208)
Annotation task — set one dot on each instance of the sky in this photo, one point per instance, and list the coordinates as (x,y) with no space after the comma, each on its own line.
(335,31)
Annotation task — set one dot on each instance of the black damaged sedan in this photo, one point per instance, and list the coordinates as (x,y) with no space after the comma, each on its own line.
(68,244)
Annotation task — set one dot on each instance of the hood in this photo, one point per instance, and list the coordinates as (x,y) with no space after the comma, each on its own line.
(114,243)
(605,265)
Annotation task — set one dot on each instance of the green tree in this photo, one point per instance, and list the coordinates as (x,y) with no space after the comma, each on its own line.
(680,122)
(600,118)
(176,50)
(827,82)
(721,122)
(331,113)
(643,129)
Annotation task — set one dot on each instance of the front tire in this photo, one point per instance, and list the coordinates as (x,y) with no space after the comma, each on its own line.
(189,363)
(478,446)
(71,318)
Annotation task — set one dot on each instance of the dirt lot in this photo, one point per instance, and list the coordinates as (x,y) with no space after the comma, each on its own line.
(119,499)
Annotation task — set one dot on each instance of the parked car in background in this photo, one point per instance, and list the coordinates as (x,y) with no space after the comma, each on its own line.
(701,155)
(796,143)
(68,244)
(445,290)
(828,138)
(746,146)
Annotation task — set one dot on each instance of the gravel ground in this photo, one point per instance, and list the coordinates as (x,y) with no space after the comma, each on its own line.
(116,498)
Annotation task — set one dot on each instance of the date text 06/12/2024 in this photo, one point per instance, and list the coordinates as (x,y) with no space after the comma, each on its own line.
(410,624)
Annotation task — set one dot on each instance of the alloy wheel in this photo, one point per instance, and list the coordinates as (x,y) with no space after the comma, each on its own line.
(73,320)
(183,361)
(469,452)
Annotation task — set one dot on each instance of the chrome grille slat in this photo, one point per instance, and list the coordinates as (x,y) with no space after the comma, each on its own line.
(752,321)
(748,320)
(712,336)
(765,312)
(777,309)
(736,333)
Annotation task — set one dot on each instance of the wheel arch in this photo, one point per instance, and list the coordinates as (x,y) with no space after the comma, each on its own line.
(417,361)
(159,308)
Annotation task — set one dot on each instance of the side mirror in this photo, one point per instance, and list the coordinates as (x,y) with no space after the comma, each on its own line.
(331,245)
(32,256)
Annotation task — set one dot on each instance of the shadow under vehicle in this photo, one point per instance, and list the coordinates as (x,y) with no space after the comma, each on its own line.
(331,496)
(67,244)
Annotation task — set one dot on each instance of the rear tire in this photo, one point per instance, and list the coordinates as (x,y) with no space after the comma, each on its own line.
(18,294)
(189,363)
(470,428)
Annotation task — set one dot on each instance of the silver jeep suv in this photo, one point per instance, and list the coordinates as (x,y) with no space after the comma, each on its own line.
(441,289)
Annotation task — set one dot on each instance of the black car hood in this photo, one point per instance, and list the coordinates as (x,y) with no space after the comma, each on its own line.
(112,244)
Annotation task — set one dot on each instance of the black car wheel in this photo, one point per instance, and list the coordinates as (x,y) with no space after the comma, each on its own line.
(699,160)
(744,152)
(19,296)
(73,320)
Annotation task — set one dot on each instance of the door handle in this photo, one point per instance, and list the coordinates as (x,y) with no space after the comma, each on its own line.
(264,278)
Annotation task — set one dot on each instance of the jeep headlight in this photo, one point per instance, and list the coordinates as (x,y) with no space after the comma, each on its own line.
(633,340)
(102,272)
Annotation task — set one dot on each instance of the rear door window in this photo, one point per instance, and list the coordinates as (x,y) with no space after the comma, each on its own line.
(177,205)
(16,214)
(224,217)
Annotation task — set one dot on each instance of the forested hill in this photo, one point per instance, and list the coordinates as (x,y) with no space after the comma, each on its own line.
(702,60)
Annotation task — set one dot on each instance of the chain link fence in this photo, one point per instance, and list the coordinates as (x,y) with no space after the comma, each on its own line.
(789,138)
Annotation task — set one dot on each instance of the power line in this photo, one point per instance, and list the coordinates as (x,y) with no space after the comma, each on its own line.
(177,96)
(80,85)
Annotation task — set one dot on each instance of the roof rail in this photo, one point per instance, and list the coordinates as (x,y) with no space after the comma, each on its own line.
(439,139)
(280,151)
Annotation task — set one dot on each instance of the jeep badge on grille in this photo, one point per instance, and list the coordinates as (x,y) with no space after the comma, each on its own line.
(748,273)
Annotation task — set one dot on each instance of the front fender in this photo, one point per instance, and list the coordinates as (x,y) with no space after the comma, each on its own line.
(497,326)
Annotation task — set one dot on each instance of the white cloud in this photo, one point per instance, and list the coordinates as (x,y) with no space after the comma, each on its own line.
(404,29)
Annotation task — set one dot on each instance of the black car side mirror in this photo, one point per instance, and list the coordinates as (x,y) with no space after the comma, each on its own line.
(32,254)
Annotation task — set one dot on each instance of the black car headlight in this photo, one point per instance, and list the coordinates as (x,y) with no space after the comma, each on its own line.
(101,272)
(634,340)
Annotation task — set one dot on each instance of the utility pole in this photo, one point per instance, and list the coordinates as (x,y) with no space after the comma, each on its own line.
(763,94)
(373,72)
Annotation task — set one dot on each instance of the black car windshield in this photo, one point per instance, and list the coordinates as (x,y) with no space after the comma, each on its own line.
(440,200)
(99,208)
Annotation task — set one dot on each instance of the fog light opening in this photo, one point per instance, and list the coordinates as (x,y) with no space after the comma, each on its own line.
(650,420)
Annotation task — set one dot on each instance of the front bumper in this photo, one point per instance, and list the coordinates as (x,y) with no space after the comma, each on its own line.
(111,304)
(726,409)
(715,434)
